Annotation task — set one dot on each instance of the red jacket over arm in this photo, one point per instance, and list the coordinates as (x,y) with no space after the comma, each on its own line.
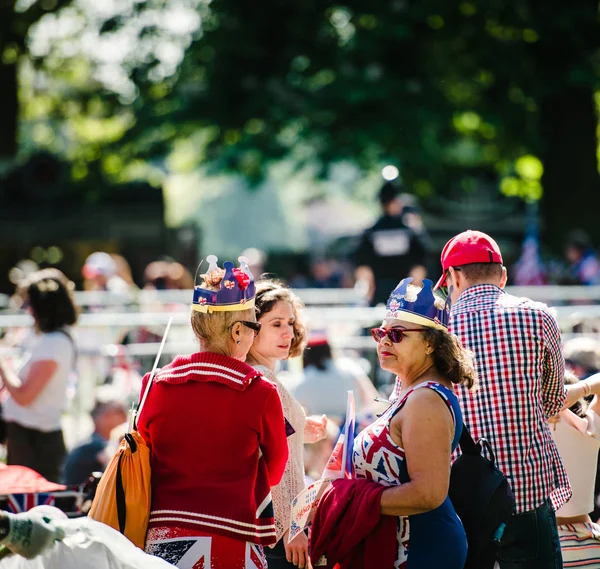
(349,529)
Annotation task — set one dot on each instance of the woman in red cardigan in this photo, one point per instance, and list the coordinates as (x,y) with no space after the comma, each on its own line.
(217,437)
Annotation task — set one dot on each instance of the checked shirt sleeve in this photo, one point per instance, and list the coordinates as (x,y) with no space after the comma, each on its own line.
(553,385)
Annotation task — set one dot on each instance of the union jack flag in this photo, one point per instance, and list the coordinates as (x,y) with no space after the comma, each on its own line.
(23,502)
(340,462)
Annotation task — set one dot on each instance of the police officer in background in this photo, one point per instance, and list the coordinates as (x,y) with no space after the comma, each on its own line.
(390,249)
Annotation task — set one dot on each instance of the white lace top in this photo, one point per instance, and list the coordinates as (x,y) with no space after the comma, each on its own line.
(292,482)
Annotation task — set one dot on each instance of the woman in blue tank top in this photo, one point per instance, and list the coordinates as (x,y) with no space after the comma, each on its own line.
(409,447)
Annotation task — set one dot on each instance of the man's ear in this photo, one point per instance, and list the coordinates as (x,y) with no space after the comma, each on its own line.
(456,277)
(503,278)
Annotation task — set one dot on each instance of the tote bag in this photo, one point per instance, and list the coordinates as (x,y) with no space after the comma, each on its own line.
(122,498)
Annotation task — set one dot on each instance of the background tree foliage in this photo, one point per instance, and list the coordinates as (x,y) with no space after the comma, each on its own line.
(455,94)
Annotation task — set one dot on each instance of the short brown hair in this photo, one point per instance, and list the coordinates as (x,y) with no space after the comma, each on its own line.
(268,293)
(450,358)
(49,293)
(476,272)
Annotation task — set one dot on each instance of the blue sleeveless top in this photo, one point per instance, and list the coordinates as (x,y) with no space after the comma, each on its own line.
(425,541)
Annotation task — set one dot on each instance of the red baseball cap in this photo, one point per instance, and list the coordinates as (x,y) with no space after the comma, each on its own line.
(466,248)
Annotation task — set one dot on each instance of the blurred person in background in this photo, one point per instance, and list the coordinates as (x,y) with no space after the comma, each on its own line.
(123,270)
(217,436)
(163,274)
(100,273)
(91,456)
(282,335)
(389,249)
(582,356)
(37,391)
(167,274)
(327,273)
(584,265)
(322,388)
(316,455)
(257,261)
(576,431)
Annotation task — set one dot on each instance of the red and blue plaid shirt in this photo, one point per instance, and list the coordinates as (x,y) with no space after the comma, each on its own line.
(517,347)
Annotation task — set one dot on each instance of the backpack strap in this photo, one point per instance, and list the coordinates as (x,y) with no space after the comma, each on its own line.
(120,498)
(469,446)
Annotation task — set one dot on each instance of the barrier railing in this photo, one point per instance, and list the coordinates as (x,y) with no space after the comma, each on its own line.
(88,300)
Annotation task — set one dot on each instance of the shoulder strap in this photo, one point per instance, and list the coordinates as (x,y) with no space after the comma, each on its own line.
(469,446)
(400,402)
(152,374)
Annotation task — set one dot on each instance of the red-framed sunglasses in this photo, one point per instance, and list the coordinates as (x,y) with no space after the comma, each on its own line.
(394,334)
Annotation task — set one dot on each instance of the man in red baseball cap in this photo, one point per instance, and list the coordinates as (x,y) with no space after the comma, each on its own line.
(517,346)
(471,248)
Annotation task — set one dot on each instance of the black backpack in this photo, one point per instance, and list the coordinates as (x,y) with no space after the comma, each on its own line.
(482,498)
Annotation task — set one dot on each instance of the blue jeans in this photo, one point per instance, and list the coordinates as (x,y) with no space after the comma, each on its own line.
(530,541)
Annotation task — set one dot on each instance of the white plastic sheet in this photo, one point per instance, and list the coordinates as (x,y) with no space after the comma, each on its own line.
(88,544)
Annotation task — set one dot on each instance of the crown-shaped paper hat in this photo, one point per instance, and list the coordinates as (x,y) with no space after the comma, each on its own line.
(418,306)
(236,292)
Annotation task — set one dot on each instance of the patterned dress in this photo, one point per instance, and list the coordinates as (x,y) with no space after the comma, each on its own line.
(430,540)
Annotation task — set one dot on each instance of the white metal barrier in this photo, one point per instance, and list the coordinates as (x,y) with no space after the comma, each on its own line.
(314,296)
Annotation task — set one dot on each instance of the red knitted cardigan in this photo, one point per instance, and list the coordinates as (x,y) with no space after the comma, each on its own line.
(217,437)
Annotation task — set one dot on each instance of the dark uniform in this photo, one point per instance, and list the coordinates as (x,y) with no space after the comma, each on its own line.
(391,249)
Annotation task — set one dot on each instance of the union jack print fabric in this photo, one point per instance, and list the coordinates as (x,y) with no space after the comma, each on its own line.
(187,551)
(23,502)
(517,347)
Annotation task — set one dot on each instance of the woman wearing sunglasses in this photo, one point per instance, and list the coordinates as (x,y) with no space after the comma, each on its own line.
(282,336)
(216,431)
(408,448)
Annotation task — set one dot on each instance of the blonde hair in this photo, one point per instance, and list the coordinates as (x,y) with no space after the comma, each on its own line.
(212,328)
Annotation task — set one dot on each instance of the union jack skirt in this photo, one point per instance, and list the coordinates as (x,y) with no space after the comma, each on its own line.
(186,549)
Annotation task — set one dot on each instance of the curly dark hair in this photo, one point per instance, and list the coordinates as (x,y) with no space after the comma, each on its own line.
(50,295)
(580,406)
(450,358)
(268,293)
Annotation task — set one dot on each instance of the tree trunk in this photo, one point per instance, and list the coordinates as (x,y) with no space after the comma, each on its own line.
(9,110)
(9,102)
(571,182)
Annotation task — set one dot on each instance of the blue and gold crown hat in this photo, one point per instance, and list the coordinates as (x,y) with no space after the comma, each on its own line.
(419,306)
(236,292)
